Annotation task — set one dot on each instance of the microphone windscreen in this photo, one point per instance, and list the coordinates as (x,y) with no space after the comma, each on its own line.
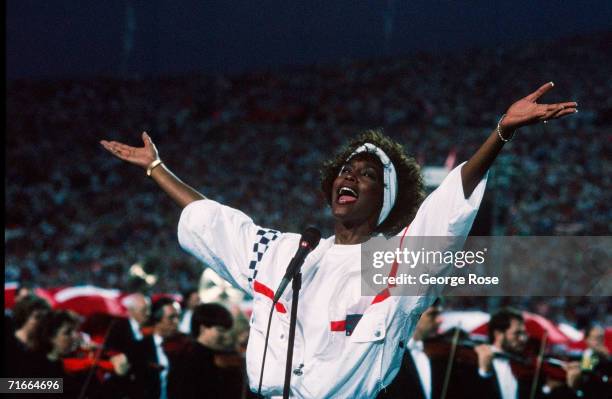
(311,236)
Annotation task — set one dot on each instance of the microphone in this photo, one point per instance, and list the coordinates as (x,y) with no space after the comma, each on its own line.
(308,241)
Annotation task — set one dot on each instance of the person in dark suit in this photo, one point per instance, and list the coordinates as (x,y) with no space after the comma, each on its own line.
(151,362)
(197,374)
(191,299)
(123,336)
(23,290)
(419,377)
(595,367)
(124,333)
(20,340)
(494,378)
(54,339)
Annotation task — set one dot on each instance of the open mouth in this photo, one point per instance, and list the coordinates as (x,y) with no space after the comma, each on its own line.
(347,195)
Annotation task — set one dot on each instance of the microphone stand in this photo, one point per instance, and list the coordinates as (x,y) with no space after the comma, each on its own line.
(296,285)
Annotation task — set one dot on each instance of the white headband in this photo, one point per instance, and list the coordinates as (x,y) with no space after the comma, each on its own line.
(389,178)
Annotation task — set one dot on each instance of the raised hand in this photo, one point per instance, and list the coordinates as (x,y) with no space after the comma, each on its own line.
(141,156)
(180,192)
(527,111)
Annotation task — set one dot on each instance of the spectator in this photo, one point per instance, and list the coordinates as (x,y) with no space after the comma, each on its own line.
(152,362)
(191,299)
(124,333)
(55,338)
(596,365)
(124,336)
(21,344)
(198,375)
(24,289)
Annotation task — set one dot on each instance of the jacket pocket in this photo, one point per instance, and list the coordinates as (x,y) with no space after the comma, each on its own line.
(371,328)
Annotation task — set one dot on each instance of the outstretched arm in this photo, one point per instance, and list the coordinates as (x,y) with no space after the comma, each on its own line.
(525,111)
(180,192)
(223,238)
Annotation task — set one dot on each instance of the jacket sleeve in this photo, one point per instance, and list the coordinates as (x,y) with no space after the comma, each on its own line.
(446,211)
(442,223)
(224,239)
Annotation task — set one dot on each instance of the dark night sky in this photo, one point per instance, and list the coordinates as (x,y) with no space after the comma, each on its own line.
(63,38)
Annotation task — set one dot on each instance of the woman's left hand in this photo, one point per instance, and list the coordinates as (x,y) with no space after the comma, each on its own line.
(527,111)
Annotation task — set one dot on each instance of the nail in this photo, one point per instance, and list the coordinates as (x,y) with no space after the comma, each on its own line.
(552,84)
(575,111)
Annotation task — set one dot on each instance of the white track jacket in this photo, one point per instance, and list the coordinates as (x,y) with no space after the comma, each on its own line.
(347,345)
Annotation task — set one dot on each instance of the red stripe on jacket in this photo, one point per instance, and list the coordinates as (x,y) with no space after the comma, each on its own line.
(340,325)
(266,291)
(384,294)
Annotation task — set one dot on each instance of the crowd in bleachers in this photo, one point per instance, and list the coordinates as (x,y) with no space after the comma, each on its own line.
(255,142)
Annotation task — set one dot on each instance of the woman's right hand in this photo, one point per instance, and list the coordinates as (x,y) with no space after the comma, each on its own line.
(141,156)
(180,192)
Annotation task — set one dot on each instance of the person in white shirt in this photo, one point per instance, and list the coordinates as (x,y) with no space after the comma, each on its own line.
(139,309)
(507,334)
(124,336)
(152,364)
(191,299)
(347,345)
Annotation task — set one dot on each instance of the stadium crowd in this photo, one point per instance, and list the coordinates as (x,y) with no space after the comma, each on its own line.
(73,216)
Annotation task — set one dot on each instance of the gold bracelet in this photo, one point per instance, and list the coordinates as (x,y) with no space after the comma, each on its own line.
(152,166)
(498,130)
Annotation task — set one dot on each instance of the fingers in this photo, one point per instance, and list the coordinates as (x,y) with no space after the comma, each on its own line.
(118,149)
(538,93)
(115,146)
(146,139)
(554,111)
(571,104)
(564,112)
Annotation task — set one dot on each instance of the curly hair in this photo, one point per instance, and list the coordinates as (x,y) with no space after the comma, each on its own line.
(410,190)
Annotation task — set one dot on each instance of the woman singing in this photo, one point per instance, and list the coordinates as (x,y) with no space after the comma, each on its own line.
(347,345)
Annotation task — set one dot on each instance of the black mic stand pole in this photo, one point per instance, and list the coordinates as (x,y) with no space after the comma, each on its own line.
(296,285)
